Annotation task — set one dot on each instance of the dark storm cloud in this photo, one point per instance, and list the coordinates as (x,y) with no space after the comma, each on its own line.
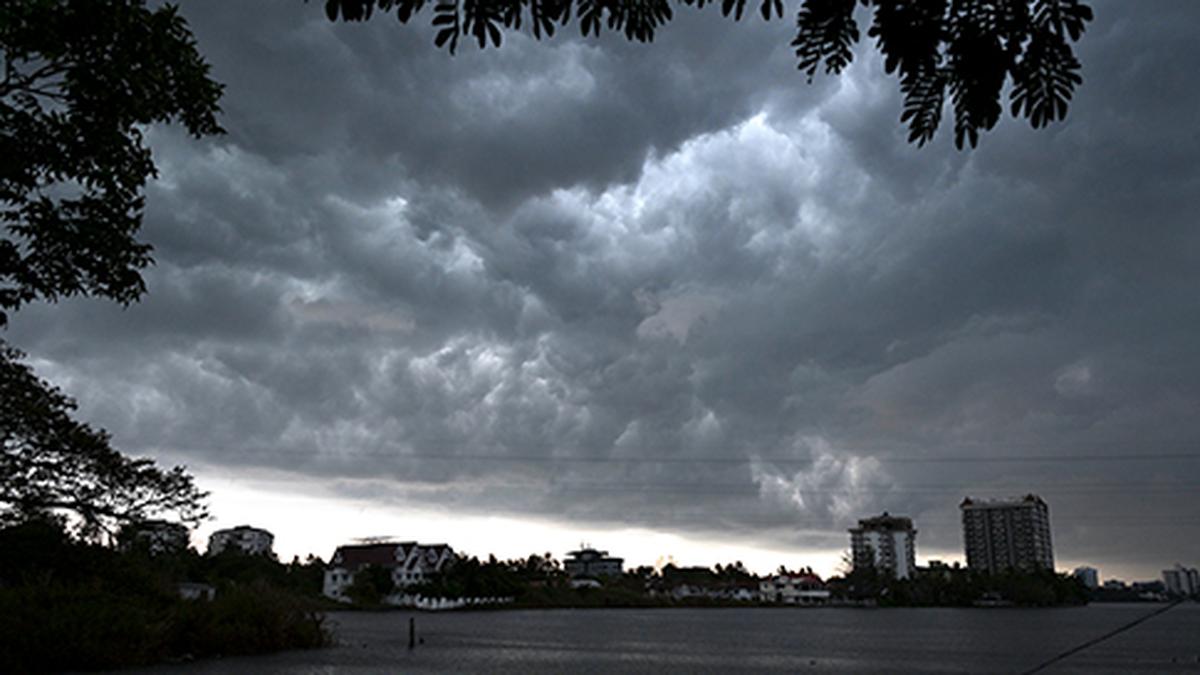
(502,124)
(492,281)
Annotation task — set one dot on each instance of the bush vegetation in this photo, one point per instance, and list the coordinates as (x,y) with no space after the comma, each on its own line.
(71,605)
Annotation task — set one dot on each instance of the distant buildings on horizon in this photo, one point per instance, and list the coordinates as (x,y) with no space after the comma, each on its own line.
(1177,582)
(589,564)
(1088,576)
(1181,580)
(998,535)
(242,539)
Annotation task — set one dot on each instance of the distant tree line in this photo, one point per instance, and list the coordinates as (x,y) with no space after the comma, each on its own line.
(960,587)
(539,581)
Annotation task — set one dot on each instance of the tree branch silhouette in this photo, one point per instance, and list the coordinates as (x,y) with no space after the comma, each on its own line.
(969,48)
(52,463)
(81,79)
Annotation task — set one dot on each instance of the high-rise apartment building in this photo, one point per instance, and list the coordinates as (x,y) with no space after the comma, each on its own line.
(1181,580)
(1005,534)
(886,543)
(1089,576)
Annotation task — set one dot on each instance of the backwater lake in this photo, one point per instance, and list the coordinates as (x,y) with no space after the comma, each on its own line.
(792,640)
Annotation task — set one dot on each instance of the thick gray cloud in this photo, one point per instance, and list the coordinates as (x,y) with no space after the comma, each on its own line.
(667,285)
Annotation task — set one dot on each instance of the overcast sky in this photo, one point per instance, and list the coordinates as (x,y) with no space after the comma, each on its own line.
(670,299)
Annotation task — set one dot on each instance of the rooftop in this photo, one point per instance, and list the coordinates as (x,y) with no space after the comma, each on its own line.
(354,556)
(1027,500)
(885,522)
(243,528)
(590,554)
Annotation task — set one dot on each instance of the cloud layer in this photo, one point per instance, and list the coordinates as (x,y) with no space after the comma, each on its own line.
(668,286)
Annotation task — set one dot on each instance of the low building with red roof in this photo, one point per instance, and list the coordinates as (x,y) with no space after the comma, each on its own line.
(793,589)
(410,563)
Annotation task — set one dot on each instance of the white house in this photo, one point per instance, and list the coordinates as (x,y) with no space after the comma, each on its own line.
(724,592)
(793,589)
(588,562)
(244,539)
(410,563)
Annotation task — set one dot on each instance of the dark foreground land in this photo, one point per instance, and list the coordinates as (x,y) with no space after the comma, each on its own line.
(69,605)
(901,640)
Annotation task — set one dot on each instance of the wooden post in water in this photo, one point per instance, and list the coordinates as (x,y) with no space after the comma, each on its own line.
(412,632)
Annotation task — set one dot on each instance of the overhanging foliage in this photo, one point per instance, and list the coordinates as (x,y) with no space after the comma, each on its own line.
(967,48)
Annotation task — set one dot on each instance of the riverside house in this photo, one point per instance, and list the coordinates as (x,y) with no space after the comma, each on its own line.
(590,563)
(793,589)
(410,563)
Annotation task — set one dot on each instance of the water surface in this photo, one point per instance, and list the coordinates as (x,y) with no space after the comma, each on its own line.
(744,640)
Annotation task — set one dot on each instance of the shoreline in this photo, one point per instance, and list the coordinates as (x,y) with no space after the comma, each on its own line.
(679,606)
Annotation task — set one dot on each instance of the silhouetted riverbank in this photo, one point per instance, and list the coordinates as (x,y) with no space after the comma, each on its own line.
(66,604)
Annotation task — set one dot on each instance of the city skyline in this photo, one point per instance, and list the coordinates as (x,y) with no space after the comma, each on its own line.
(670,548)
(667,298)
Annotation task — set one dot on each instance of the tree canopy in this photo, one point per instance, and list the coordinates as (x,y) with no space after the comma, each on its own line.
(81,78)
(80,81)
(51,463)
(966,49)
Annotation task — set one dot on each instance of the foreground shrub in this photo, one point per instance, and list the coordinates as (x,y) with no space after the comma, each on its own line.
(67,604)
(46,628)
(49,628)
(245,620)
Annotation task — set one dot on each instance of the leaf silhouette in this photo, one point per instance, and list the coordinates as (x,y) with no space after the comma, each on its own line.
(970,48)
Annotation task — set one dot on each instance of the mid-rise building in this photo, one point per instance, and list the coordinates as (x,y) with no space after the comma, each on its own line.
(1181,580)
(588,562)
(1090,576)
(157,537)
(242,539)
(937,569)
(885,543)
(1007,534)
(409,563)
